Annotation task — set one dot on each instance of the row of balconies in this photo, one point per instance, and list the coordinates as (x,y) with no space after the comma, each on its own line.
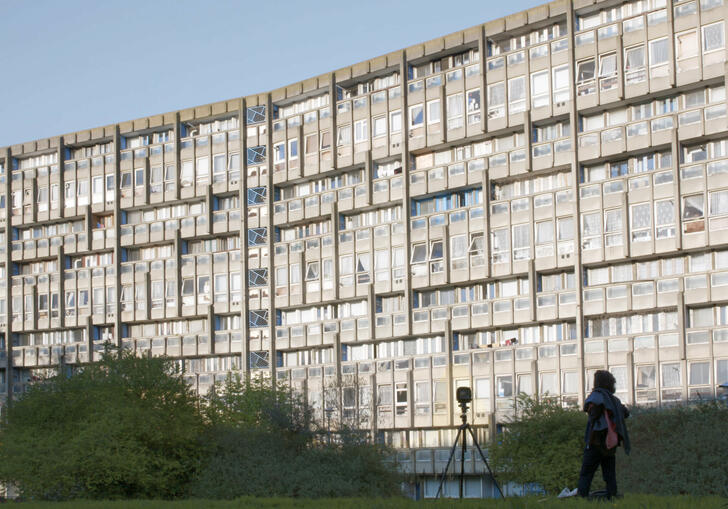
(187,346)
(618,140)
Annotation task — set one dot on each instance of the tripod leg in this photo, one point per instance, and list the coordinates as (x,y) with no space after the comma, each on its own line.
(449,460)
(462,464)
(482,456)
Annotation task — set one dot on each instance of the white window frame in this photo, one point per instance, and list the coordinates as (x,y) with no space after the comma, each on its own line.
(410,118)
(361,132)
(433,106)
(380,120)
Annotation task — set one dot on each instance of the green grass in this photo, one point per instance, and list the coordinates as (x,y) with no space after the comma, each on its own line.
(628,502)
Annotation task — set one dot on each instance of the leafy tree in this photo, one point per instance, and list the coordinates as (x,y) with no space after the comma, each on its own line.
(258,404)
(125,427)
(543,445)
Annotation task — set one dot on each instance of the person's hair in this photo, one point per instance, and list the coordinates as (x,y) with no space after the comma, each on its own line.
(603,379)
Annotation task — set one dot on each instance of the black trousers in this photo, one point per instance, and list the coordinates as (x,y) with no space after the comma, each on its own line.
(592,459)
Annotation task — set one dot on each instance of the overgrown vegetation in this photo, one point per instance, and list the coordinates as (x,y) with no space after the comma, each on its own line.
(543,445)
(678,450)
(675,450)
(122,428)
(628,502)
(264,442)
(129,427)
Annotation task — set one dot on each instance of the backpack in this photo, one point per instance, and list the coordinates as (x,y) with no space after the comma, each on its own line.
(612,439)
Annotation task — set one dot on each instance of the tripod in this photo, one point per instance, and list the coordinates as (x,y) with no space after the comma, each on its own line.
(461,432)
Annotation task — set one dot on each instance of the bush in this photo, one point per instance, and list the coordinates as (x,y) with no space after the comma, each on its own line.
(677,450)
(543,445)
(262,442)
(122,428)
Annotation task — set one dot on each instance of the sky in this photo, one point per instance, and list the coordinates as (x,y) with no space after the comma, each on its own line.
(68,65)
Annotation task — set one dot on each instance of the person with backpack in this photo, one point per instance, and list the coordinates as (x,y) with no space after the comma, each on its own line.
(605,431)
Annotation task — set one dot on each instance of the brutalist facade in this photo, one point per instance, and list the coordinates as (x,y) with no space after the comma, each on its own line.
(508,207)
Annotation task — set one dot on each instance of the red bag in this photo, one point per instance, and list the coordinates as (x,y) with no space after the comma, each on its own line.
(612,439)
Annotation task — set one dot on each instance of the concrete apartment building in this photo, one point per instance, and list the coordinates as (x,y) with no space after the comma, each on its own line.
(510,207)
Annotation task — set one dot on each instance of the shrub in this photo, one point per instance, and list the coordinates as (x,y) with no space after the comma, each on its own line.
(262,442)
(122,428)
(543,445)
(677,450)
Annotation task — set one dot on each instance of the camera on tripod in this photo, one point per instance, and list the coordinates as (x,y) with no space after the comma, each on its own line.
(464,395)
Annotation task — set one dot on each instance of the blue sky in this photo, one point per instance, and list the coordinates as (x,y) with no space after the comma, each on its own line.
(67,65)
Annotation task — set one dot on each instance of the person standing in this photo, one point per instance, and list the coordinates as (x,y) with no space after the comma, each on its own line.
(605,431)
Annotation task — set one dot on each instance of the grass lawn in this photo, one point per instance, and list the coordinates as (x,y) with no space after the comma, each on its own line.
(628,502)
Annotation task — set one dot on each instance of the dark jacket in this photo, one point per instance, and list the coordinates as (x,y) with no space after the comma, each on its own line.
(598,401)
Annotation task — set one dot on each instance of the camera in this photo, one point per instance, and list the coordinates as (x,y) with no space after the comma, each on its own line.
(464,395)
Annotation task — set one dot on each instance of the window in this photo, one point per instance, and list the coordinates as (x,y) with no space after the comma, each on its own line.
(325,140)
(221,291)
(549,384)
(433,111)
(343,135)
(422,398)
(416,116)
(516,94)
(455,107)
(585,71)
(540,89)
(473,106)
(279,153)
(500,245)
(718,203)
(641,222)
(659,53)
(504,386)
(561,83)
(671,375)
(458,251)
(699,373)
(608,71)
(360,131)
(521,241)
(634,64)
(713,37)
(401,398)
(657,17)
(395,121)
(202,170)
(645,377)
(311,144)
(203,289)
(565,228)
(496,100)
(613,227)
(710,4)
(570,381)
(591,230)
(544,232)
(721,371)
(686,45)
(693,208)
(380,126)
(664,219)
